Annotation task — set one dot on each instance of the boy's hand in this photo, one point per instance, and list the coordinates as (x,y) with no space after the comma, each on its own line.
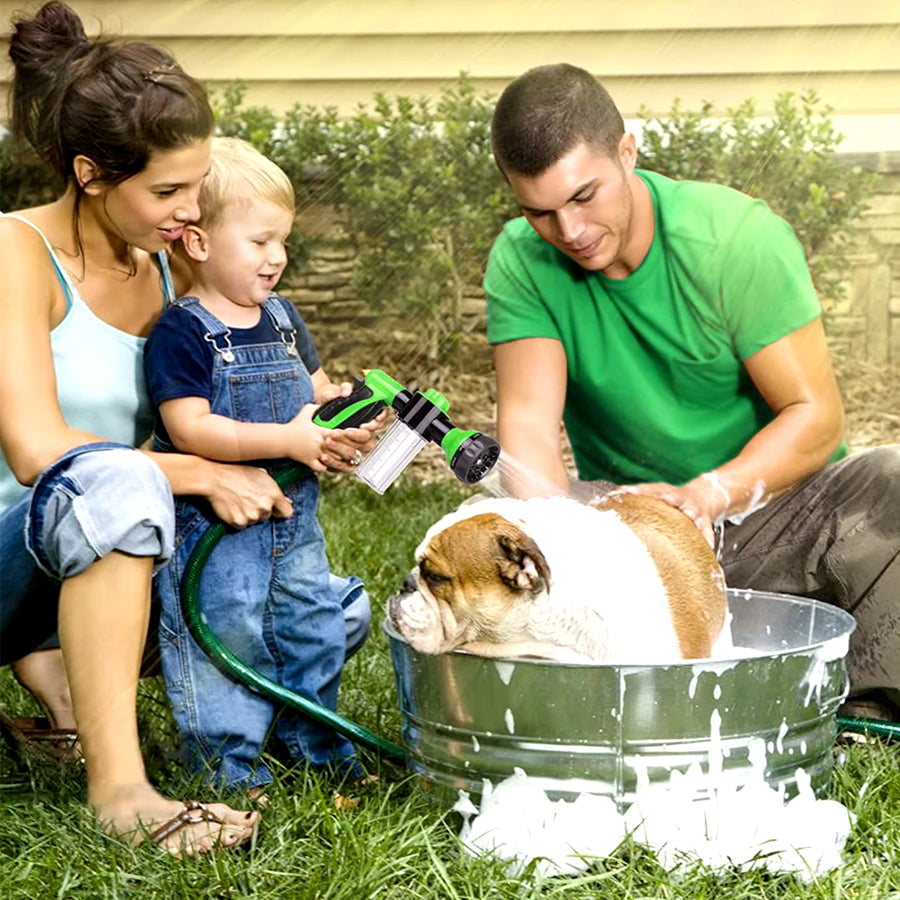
(344,448)
(329,390)
(306,440)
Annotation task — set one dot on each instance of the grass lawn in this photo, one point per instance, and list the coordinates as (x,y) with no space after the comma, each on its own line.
(397,843)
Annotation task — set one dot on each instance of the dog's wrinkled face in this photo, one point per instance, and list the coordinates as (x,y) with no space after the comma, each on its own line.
(470,580)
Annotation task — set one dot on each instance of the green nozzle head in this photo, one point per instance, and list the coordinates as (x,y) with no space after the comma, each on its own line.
(470,454)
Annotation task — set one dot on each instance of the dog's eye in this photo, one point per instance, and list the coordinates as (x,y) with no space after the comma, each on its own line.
(432,579)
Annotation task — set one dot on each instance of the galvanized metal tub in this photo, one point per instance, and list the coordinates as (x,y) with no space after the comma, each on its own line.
(612,729)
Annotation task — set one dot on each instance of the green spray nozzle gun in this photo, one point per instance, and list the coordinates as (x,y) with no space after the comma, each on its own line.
(421,417)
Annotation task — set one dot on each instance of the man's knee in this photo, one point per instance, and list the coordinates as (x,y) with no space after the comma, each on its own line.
(873,487)
(876,469)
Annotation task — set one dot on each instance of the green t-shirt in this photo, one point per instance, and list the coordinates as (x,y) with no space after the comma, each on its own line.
(656,389)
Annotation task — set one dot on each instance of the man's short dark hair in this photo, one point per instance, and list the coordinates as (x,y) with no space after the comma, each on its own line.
(548,111)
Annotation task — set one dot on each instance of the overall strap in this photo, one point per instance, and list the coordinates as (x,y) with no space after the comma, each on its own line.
(274,306)
(215,327)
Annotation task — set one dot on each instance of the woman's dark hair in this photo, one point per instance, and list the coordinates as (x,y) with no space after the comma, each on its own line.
(548,111)
(115,103)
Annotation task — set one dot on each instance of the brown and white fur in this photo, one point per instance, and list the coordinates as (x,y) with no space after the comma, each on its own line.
(627,580)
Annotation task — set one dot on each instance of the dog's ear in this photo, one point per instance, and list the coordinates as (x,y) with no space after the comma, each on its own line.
(522,565)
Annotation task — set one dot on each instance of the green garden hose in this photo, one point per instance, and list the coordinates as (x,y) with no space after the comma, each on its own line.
(869,726)
(231,666)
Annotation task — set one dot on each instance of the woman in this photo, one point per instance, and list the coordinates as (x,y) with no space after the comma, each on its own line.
(128,133)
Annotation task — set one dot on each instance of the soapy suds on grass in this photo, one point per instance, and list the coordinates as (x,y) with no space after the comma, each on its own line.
(744,828)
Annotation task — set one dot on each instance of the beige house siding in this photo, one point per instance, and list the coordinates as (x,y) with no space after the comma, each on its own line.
(339,52)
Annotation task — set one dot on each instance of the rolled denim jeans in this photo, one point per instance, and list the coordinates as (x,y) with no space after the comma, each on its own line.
(95,499)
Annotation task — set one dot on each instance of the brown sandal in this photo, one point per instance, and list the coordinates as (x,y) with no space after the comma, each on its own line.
(193,813)
(37,737)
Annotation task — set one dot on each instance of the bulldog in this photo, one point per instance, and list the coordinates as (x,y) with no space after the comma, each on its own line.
(627,579)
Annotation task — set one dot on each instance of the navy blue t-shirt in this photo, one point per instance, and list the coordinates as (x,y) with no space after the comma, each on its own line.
(178,360)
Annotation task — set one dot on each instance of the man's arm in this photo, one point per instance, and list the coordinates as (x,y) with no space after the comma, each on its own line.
(795,377)
(531,392)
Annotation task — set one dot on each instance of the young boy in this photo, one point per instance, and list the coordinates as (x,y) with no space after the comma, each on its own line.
(234,376)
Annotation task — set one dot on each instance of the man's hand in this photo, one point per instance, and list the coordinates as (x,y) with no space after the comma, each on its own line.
(703,500)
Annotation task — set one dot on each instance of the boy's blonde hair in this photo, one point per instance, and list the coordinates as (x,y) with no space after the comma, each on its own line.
(240,174)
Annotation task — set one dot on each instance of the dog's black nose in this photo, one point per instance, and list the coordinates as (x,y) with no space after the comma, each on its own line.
(409,584)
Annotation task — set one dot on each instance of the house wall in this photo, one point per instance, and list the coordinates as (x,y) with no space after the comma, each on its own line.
(865,324)
(339,52)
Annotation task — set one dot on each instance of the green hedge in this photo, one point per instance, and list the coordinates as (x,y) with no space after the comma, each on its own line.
(789,160)
(415,184)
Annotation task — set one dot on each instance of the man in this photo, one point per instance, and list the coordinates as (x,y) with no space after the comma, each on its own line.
(674,328)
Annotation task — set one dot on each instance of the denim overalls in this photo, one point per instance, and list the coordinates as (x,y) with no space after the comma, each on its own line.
(266,590)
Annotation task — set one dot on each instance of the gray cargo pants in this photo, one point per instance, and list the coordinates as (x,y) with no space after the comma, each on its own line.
(834,537)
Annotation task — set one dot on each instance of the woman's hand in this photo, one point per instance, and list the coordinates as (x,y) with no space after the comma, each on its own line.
(344,448)
(243,495)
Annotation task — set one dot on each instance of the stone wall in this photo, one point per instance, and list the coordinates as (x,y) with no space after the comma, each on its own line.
(350,335)
(865,324)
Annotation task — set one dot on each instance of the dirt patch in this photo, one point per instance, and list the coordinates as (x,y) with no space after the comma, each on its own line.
(871,402)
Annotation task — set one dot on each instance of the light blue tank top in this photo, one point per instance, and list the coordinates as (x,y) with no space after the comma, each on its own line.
(100,383)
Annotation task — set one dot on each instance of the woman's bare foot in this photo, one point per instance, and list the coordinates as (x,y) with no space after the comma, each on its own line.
(43,674)
(137,813)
